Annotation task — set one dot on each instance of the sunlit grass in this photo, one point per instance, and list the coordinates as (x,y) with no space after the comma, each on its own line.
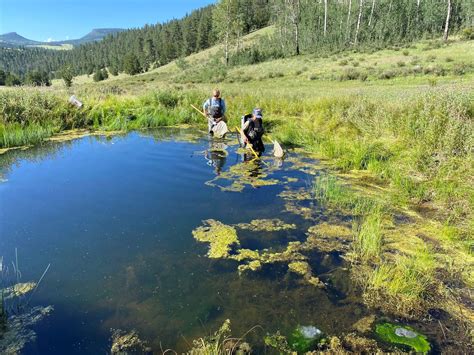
(404,285)
(368,235)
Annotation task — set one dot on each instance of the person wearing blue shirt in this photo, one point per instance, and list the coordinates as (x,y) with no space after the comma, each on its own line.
(214,108)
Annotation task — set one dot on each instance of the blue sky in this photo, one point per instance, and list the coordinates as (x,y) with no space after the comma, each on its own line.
(69,19)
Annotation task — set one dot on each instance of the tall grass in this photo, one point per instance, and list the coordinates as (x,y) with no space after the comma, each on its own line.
(368,233)
(28,117)
(404,286)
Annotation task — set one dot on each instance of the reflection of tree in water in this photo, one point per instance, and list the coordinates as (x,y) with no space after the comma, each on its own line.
(34,155)
(37,154)
(216,155)
(168,134)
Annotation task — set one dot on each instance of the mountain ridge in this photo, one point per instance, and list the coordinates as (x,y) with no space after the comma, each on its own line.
(13,39)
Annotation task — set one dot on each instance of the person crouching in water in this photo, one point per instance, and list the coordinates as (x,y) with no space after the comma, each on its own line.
(214,108)
(252,127)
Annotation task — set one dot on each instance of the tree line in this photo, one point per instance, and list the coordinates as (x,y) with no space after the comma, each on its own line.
(301,26)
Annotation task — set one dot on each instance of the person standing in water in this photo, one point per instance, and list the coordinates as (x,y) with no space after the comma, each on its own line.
(252,127)
(215,108)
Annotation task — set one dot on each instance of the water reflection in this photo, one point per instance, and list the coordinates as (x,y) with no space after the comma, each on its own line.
(216,155)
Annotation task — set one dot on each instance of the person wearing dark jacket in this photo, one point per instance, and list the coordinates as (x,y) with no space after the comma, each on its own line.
(252,127)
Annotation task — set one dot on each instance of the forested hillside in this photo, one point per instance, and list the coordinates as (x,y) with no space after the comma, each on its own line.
(301,26)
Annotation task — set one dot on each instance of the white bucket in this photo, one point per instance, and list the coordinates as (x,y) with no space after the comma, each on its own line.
(74,101)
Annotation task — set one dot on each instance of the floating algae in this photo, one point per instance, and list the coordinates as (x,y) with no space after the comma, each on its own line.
(402,335)
(128,343)
(290,179)
(18,290)
(364,325)
(221,238)
(244,174)
(296,201)
(296,195)
(253,265)
(268,225)
(328,237)
(291,256)
(302,268)
(18,332)
(302,211)
(245,254)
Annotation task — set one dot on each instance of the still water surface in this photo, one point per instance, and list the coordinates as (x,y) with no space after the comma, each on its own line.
(114,218)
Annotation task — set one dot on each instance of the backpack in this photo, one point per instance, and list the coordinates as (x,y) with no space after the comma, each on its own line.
(216,111)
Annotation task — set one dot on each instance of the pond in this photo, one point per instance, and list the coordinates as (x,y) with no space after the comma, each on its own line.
(114,219)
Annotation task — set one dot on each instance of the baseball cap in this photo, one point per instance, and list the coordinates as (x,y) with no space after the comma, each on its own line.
(257,112)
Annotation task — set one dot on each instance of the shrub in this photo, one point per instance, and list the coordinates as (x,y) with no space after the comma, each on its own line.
(343,62)
(100,75)
(437,70)
(406,52)
(401,64)
(468,33)
(417,69)
(388,74)
(449,59)
(349,74)
(460,69)
(182,64)
(363,76)
(38,78)
(431,58)
(415,60)
(167,99)
(312,77)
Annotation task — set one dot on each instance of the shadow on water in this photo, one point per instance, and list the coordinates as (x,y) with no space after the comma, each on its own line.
(114,218)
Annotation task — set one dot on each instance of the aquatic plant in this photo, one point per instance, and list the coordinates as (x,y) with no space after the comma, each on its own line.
(403,335)
(18,290)
(267,225)
(365,324)
(277,341)
(221,238)
(19,332)
(328,237)
(304,338)
(220,343)
(128,343)
(251,173)
(304,269)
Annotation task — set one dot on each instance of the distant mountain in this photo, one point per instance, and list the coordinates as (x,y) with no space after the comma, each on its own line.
(95,35)
(16,40)
(13,39)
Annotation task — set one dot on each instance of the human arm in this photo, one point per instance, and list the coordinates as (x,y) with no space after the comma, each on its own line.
(205,107)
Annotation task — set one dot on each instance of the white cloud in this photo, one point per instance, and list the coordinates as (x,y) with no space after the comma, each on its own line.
(50,39)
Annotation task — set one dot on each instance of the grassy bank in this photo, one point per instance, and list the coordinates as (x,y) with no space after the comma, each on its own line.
(29,116)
